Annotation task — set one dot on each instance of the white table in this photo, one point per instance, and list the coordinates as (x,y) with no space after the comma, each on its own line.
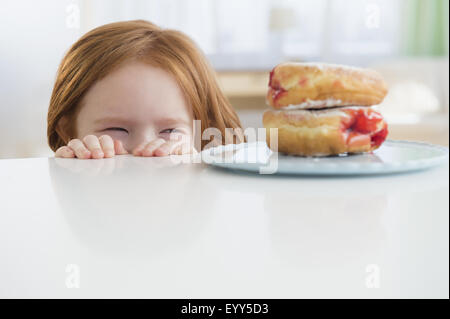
(136,227)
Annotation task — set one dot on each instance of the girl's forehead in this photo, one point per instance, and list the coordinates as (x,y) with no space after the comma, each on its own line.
(153,118)
(135,90)
(140,113)
(137,80)
(135,73)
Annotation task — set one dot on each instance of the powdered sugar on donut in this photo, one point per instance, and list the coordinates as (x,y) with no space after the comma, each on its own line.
(313,104)
(324,66)
(337,111)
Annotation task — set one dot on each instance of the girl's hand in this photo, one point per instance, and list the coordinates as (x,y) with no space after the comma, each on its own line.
(162,147)
(91,147)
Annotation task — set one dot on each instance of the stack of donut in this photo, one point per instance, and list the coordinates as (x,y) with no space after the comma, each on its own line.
(324,109)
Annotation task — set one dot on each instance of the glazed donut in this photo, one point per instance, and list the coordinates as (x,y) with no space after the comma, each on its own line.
(317,85)
(326,132)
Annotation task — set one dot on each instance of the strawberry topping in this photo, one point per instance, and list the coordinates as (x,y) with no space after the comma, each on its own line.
(365,121)
(275,88)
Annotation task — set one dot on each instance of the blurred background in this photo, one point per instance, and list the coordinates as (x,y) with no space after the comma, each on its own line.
(406,40)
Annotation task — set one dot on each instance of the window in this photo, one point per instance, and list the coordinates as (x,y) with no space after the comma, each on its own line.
(249,34)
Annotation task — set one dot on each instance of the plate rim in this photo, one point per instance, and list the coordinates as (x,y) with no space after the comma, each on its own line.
(369,168)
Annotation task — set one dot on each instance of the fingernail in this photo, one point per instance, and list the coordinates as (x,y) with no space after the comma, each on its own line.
(109,153)
(137,153)
(97,153)
(160,152)
(147,152)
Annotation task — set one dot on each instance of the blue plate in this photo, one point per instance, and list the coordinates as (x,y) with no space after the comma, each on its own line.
(391,157)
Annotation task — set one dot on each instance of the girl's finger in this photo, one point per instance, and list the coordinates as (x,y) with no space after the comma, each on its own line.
(152,146)
(177,150)
(137,151)
(107,145)
(93,144)
(78,147)
(180,150)
(185,148)
(64,152)
(118,146)
(169,147)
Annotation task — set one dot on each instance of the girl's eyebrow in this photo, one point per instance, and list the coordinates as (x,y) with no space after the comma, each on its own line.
(173,121)
(110,119)
(163,121)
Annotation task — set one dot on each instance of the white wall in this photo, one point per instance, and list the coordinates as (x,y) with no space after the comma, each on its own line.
(33,39)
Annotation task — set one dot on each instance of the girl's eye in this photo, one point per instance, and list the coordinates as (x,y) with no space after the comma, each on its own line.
(169,130)
(116,129)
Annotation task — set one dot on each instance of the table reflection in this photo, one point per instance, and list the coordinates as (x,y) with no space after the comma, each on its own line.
(131,205)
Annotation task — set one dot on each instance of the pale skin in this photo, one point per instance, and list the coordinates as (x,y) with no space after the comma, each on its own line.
(137,109)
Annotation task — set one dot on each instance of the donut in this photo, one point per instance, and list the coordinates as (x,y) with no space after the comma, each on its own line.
(315,85)
(326,132)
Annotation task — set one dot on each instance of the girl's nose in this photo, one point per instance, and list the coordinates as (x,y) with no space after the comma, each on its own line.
(139,139)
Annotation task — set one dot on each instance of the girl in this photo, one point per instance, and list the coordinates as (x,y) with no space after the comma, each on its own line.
(129,87)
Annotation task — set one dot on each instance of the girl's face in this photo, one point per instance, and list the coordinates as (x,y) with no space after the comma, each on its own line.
(136,103)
